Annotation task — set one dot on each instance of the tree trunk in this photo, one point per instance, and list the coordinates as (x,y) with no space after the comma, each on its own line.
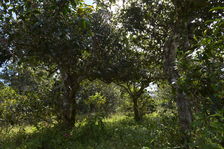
(69,107)
(137,115)
(69,111)
(179,41)
(184,111)
(185,117)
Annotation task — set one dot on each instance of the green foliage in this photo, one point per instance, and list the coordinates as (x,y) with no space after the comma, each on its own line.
(117,132)
(10,103)
(69,37)
(96,99)
(56,49)
(16,109)
(208,132)
(146,104)
(25,96)
(97,96)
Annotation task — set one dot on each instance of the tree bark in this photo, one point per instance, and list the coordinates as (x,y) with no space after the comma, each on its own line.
(179,41)
(182,102)
(69,107)
(69,111)
(137,115)
(184,111)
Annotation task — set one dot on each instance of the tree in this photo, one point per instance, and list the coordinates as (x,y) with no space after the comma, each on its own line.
(67,37)
(144,64)
(55,33)
(139,98)
(168,28)
(206,64)
(176,49)
(142,74)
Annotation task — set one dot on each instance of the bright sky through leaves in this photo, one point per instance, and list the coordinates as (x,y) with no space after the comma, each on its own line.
(89,2)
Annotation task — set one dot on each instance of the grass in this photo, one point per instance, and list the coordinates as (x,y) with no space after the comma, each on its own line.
(115,132)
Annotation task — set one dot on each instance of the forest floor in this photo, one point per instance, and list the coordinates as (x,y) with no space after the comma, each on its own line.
(115,132)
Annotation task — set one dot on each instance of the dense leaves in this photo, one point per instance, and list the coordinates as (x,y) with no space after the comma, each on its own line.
(70,72)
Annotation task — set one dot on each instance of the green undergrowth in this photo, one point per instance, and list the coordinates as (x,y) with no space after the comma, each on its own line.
(115,132)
